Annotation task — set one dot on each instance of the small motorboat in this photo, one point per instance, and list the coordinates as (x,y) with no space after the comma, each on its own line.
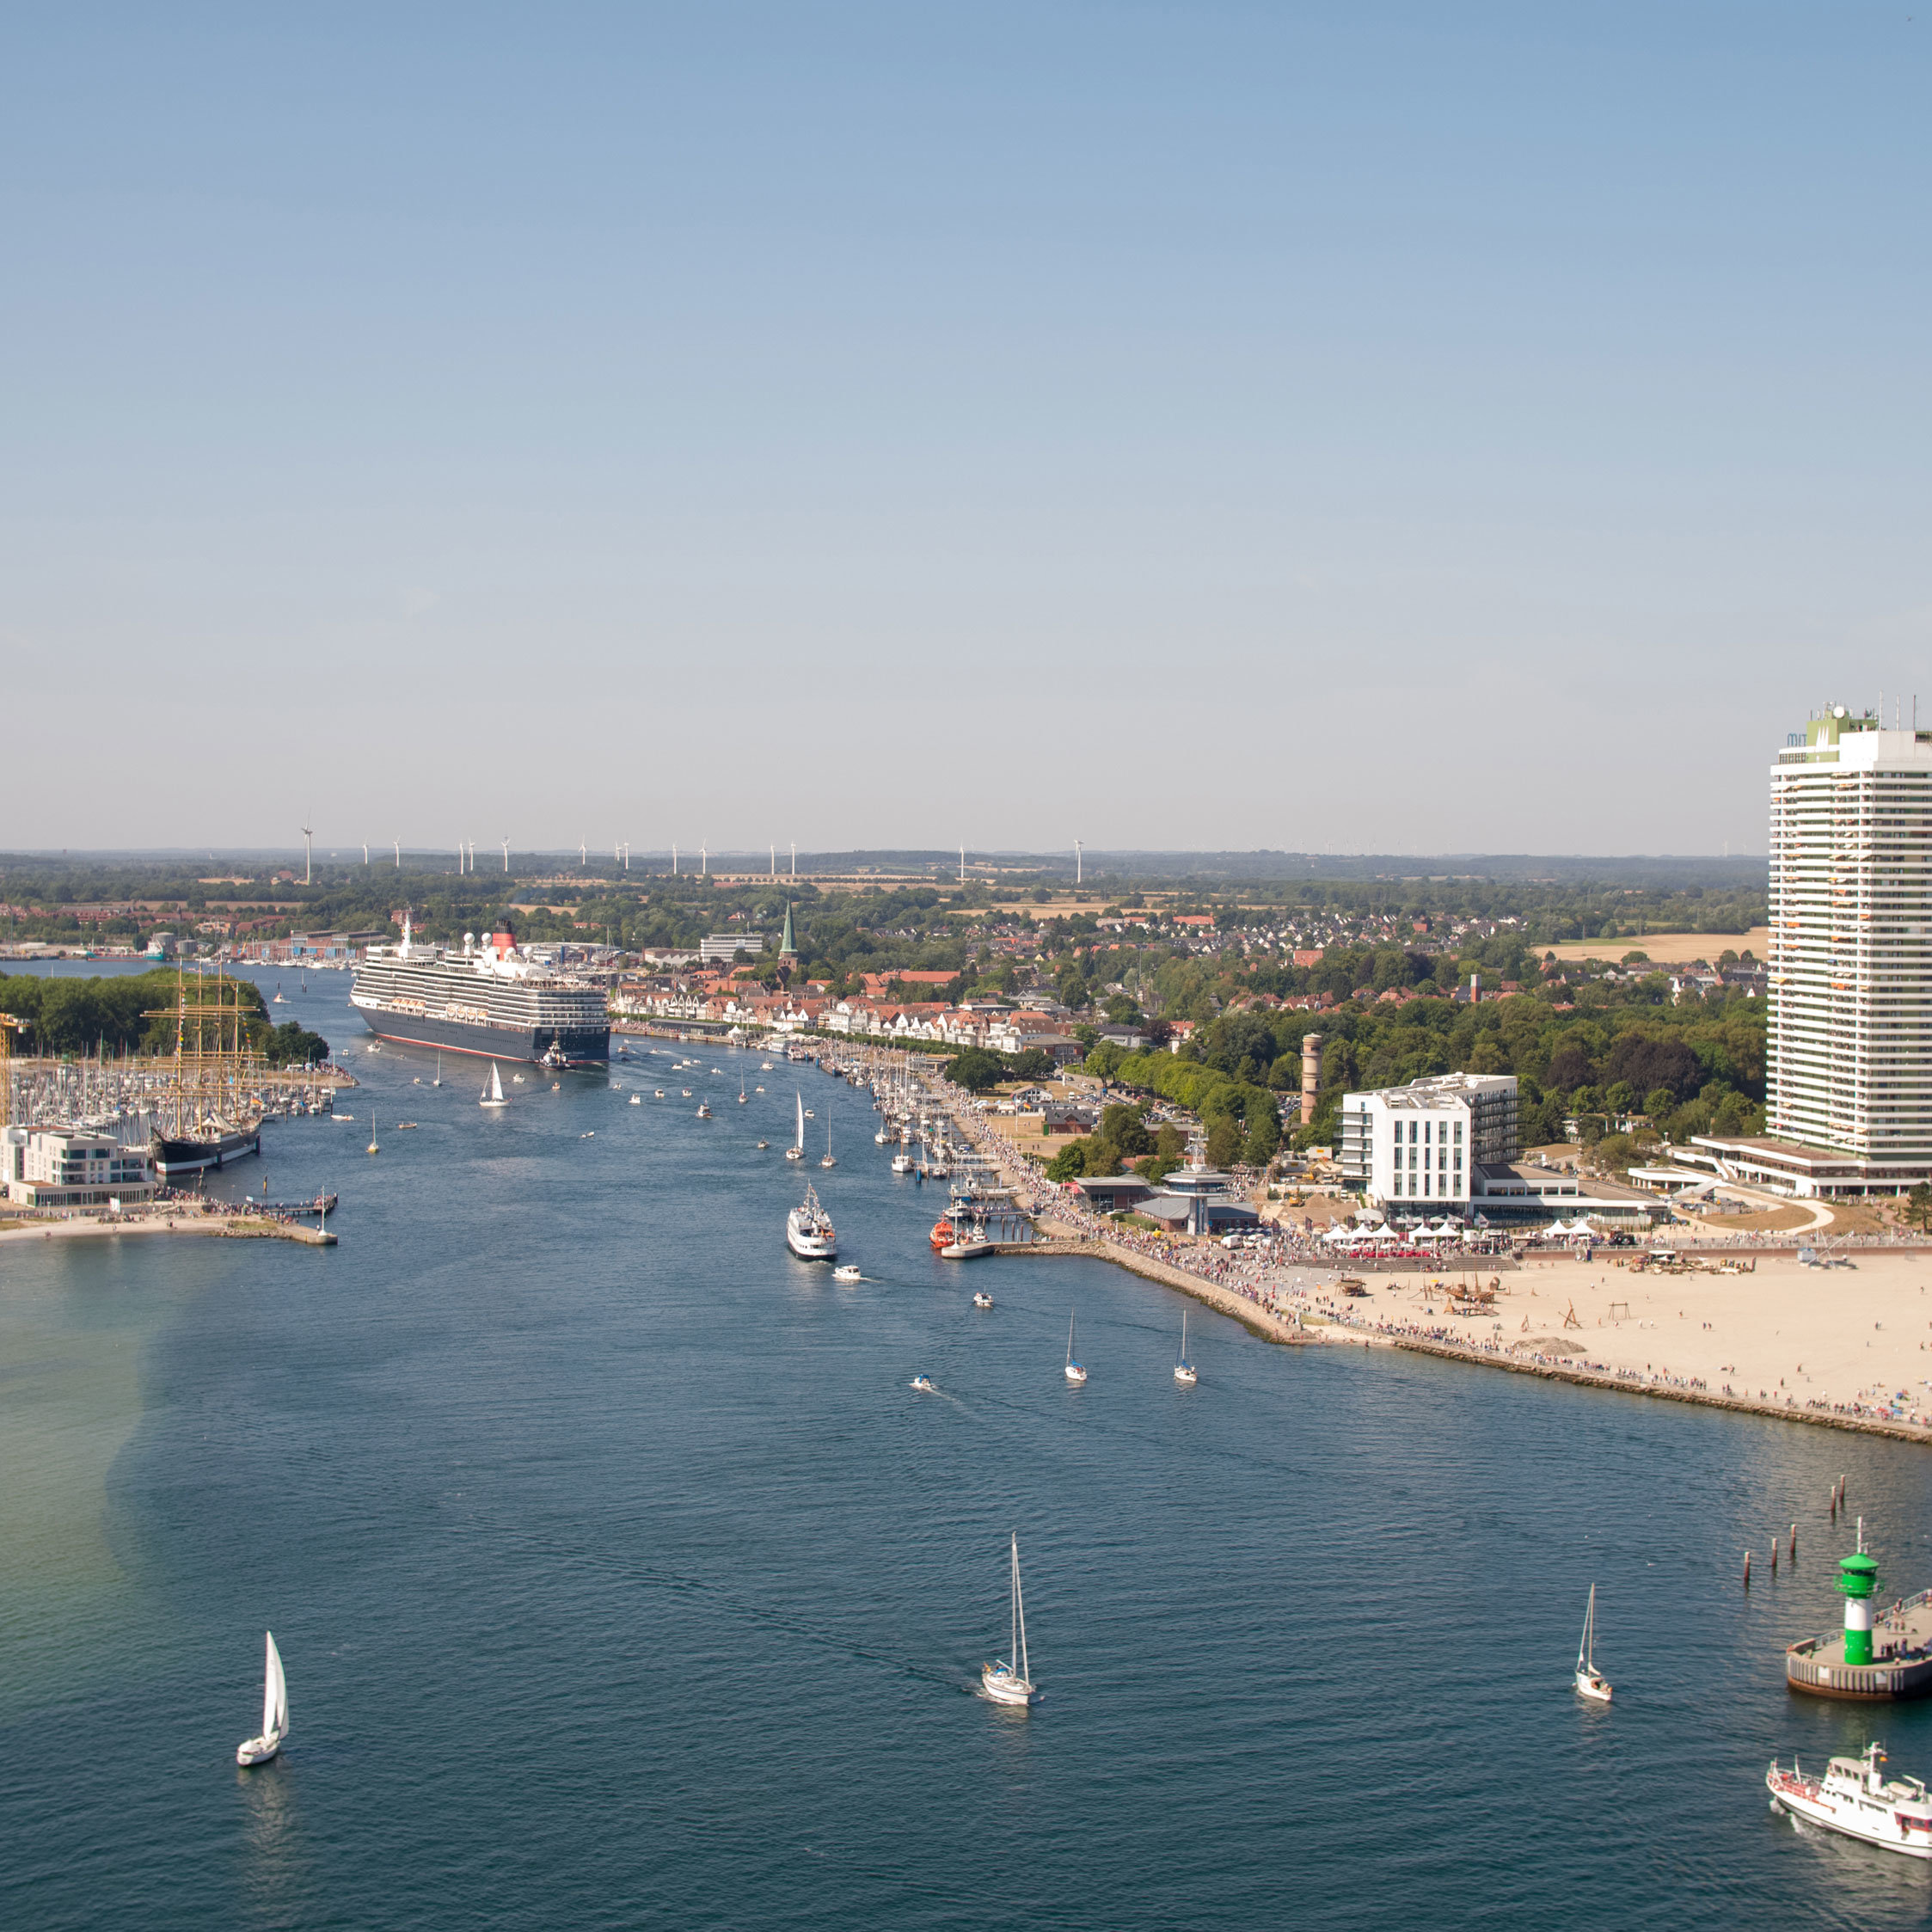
(942,1235)
(704,1111)
(848,1274)
(763,1144)
(685,1091)
(1854,1797)
(637,1100)
(982,1299)
(660,1093)
(404,1126)
(274,1711)
(925,1384)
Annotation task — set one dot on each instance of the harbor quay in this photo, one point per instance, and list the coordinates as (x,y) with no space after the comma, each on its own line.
(239,1221)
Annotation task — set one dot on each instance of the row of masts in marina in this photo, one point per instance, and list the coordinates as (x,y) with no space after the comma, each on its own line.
(208,1076)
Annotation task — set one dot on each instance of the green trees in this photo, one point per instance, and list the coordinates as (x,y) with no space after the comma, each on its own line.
(976,1069)
(1918,1207)
(292,1045)
(1070,1163)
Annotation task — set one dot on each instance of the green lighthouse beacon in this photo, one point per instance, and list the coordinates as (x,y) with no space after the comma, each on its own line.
(1858,1578)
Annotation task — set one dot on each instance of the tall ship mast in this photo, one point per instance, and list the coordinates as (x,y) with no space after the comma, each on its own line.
(211,1111)
(489,1000)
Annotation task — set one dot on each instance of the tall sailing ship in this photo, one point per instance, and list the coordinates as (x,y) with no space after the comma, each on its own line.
(489,1000)
(210,1109)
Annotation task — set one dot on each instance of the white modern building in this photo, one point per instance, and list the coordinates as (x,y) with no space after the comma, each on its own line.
(1448,1145)
(1423,1144)
(64,1167)
(1848,1056)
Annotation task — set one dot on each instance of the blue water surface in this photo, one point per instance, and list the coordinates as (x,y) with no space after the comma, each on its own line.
(622,1580)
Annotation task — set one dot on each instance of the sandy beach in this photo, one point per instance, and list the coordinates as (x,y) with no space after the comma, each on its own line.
(1853,1339)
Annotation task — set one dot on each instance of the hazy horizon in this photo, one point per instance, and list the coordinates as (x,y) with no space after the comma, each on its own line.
(1367,430)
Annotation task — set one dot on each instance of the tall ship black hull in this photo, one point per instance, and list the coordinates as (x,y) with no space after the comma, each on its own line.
(176,1155)
(492,1003)
(575,1045)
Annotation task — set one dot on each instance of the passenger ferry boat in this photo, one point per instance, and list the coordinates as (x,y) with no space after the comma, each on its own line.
(1856,1797)
(808,1230)
(487,1000)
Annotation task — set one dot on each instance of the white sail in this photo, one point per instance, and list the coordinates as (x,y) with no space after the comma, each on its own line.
(274,1695)
(799,1141)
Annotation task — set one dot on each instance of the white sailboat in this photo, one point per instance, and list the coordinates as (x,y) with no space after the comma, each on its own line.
(1183,1369)
(796,1150)
(743,1099)
(438,1082)
(493,1093)
(1590,1681)
(1009,1680)
(828,1161)
(274,1711)
(373,1147)
(1075,1373)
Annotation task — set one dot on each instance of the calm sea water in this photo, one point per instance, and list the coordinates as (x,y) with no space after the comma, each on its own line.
(622,1580)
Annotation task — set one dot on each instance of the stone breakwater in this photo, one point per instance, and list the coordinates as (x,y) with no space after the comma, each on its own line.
(1228,1301)
(1624,1383)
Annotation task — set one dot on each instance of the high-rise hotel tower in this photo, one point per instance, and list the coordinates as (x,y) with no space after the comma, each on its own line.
(1848,1070)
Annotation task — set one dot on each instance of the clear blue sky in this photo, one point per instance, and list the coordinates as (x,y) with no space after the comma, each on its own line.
(1390,428)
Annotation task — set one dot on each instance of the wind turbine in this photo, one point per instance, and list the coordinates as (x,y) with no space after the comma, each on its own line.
(703,862)
(962,865)
(673,861)
(308,856)
(583,854)
(507,856)
(398,844)
(1077,856)
(795,858)
(366,851)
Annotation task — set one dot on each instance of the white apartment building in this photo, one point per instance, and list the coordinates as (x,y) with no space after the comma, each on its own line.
(1849,1059)
(1423,1146)
(64,1167)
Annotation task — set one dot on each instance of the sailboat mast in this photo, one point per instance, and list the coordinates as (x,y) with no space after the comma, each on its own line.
(1020,1615)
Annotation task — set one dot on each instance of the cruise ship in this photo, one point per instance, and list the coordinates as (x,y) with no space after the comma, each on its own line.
(489,1000)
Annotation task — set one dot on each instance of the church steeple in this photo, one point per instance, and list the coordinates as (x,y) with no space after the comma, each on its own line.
(787,950)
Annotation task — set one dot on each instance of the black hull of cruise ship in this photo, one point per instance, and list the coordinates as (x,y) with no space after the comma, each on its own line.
(578,1045)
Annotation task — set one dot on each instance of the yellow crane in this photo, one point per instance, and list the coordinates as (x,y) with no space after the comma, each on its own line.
(8,1026)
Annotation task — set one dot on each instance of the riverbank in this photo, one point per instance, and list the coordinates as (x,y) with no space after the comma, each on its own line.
(1059,1239)
(234,1227)
(1847,1347)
